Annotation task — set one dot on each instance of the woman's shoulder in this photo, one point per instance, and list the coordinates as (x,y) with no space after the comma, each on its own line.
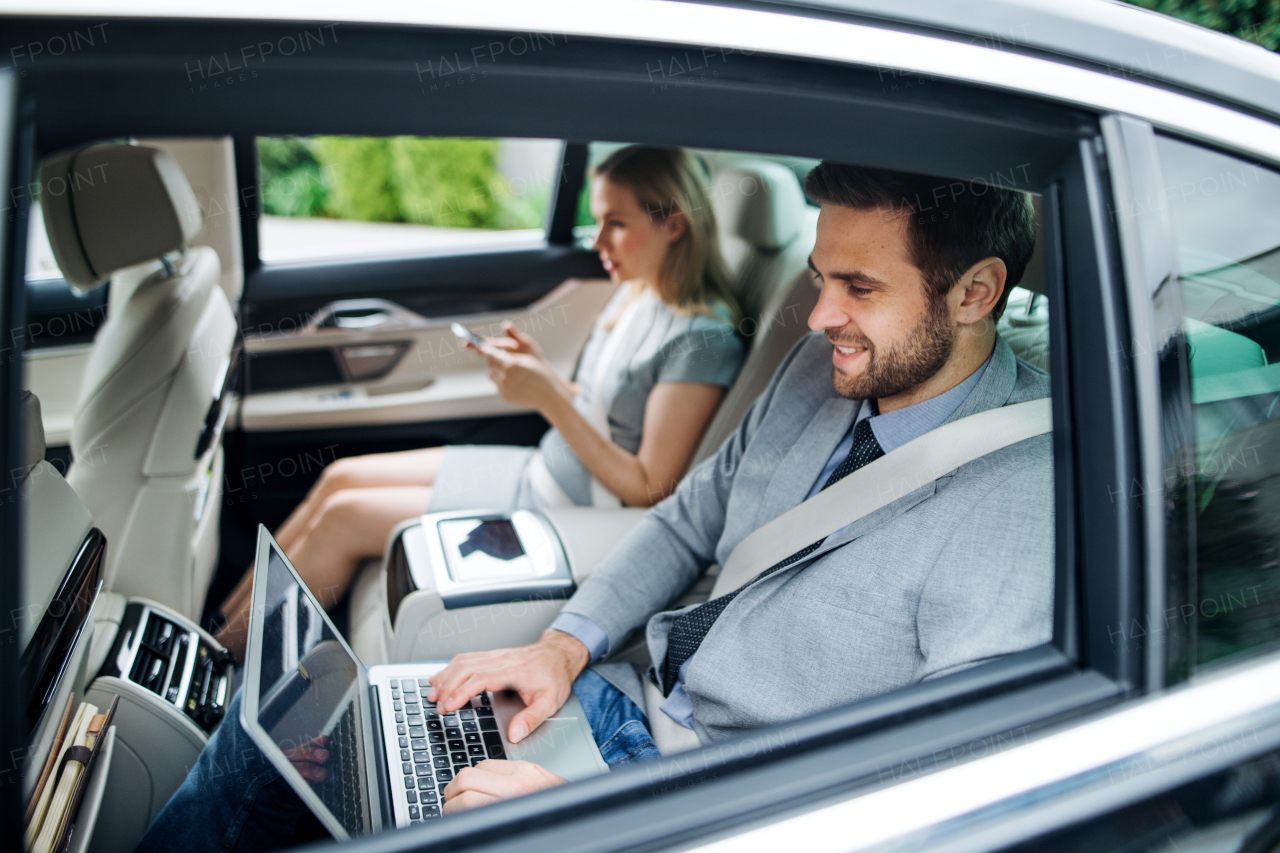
(698,342)
(715,326)
(716,317)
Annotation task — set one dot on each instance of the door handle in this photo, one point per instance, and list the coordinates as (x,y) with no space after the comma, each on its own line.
(364,315)
(350,318)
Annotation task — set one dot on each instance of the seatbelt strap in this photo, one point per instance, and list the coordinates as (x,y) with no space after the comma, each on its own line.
(880,483)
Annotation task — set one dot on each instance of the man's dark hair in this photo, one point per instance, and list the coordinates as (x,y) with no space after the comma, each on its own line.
(951,224)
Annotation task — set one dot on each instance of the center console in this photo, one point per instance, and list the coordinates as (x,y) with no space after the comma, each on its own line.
(162,653)
(174,684)
(475,579)
(473,558)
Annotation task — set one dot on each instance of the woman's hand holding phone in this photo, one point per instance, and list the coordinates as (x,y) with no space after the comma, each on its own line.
(513,340)
(517,366)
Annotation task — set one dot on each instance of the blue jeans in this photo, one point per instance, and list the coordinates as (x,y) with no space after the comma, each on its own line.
(234,800)
(619,727)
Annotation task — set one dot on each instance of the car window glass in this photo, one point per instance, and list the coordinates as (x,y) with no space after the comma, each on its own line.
(713,159)
(333,196)
(1222,475)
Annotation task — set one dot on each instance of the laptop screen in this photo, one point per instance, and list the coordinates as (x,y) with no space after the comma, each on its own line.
(308,697)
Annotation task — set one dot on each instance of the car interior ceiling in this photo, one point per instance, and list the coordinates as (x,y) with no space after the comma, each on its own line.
(937,128)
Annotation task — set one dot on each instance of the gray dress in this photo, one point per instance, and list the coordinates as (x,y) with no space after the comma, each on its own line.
(664,346)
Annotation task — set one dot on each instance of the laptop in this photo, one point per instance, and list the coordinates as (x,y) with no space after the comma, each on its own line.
(390,754)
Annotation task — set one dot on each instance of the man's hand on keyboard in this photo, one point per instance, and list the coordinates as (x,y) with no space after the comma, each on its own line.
(542,674)
(493,780)
(309,758)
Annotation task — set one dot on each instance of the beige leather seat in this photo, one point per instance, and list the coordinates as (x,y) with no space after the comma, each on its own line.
(55,522)
(58,542)
(766,233)
(147,435)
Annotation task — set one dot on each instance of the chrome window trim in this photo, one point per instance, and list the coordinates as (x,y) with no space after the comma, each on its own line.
(1148,261)
(744,30)
(1150,745)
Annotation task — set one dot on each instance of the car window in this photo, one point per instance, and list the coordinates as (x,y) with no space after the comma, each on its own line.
(334,196)
(1222,474)
(714,159)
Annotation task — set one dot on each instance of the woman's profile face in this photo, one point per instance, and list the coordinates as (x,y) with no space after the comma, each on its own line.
(632,243)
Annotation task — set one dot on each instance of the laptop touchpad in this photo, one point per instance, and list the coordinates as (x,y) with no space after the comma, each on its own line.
(560,745)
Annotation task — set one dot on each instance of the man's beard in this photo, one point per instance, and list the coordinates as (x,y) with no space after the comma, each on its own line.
(916,358)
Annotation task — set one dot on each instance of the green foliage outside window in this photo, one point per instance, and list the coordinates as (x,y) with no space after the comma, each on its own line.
(445,182)
(359,176)
(1257,21)
(290,179)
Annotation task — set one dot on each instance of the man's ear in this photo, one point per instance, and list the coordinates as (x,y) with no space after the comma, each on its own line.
(980,289)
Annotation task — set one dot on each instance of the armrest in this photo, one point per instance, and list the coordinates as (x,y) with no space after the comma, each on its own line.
(421,627)
(589,534)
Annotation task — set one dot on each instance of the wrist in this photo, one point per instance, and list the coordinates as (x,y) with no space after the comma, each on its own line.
(575,654)
(554,408)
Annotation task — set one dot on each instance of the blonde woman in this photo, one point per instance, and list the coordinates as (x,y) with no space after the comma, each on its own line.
(622,431)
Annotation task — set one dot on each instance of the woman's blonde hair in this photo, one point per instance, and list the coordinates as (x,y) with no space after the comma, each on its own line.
(669,182)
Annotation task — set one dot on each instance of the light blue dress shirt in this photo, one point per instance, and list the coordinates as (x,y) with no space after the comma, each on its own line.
(892,430)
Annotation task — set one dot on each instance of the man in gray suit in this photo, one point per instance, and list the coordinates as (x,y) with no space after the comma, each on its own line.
(948,575)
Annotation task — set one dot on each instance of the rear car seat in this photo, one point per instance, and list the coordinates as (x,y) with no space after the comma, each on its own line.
(147,433)
(767,230)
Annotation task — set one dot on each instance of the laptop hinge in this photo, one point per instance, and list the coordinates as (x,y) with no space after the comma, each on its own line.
(380,761)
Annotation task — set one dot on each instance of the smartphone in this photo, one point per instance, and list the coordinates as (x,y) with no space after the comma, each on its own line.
(460,331)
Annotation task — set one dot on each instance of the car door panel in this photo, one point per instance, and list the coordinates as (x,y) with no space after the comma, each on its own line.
(367,342)
(427,375)
(283,297)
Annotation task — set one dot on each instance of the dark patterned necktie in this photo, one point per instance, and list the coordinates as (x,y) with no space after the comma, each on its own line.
(688,631)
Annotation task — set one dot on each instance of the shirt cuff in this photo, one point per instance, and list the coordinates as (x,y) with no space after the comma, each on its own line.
(679,707)
(584,631)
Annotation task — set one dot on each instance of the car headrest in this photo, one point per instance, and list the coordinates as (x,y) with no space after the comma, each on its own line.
(107,207)
(759,202)
(32,435)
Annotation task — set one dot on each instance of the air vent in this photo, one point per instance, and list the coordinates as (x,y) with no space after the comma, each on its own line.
(149,669)
(162,653)
(157,665)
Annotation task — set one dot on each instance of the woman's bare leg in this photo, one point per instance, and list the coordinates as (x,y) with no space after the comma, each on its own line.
(352,526)
(403,468)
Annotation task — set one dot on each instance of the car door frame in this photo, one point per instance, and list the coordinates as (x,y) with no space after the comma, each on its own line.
(681,789)
(16,152)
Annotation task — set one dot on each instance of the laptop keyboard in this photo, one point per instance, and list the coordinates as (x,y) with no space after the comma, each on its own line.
(432,749)
(340,791)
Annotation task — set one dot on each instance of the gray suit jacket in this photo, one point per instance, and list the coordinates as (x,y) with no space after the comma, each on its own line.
(948,575)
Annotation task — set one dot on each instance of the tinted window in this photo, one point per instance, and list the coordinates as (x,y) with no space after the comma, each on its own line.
(713,159)
(328,196)
(1221,378)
